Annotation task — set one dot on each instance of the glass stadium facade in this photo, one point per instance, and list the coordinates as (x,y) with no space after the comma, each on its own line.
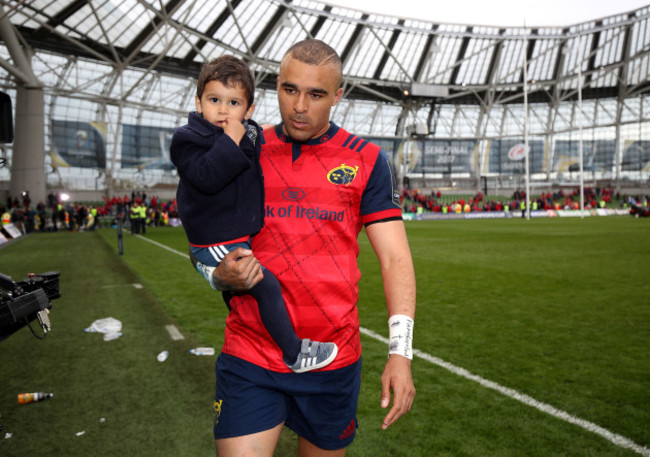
(453,105)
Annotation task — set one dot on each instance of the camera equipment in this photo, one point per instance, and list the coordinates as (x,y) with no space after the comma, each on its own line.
(27,300)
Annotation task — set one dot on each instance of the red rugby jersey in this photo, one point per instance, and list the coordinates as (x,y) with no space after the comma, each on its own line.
(318,196)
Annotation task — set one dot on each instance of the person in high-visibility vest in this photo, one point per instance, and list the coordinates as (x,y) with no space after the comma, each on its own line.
(142,215)
(6,218)
(61,215)
(134,217)
(90,221)
(93,216)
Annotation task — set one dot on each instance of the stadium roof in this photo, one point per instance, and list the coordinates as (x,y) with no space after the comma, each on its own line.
(499,13)
(384,56)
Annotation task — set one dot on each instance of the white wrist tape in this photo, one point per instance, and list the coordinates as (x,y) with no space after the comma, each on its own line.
(400,331)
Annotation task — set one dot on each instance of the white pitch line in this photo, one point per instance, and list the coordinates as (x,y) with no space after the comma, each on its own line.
(174,333)
(614,438)
(160,245)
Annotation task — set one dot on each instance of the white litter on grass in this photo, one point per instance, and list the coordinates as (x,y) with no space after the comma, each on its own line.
(137,286)
(109,326)
(80,433)
(112,336)
(102,420)
(163,356)
(202,351)
(8,435)
(174,333)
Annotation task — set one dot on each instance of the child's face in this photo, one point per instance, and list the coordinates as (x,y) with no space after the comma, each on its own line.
(220,103)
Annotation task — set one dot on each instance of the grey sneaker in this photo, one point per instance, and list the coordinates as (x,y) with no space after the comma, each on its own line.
(314,355)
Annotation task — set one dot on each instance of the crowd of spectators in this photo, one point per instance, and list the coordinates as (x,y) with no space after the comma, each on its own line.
(415,201)
(58,214)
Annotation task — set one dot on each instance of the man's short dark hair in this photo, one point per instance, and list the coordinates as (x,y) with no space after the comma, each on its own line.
(229,71)
(316,52)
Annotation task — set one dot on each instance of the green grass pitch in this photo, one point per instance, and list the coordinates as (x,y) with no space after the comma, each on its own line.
(551,310)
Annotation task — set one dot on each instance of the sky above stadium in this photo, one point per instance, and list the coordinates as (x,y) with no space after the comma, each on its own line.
(509,13)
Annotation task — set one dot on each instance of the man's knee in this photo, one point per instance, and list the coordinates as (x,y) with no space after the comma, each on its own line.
(261,444)
(308,449)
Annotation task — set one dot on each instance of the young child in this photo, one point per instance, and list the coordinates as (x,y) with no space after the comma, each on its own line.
(221,195)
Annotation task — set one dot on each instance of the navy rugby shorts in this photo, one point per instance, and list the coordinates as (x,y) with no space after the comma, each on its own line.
(319,406)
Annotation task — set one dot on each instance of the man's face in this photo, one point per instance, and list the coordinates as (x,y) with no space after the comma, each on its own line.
(306,94)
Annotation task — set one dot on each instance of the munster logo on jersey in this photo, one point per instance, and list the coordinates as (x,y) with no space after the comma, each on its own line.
(343,175)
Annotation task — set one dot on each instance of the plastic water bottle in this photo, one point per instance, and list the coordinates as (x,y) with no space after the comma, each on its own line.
(33,396)
(202,351)
(163,356)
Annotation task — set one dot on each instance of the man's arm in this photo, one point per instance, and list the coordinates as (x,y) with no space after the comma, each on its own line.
(389,241)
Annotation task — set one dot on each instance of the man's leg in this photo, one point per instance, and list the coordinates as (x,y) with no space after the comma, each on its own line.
(308,449)
(260,444)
